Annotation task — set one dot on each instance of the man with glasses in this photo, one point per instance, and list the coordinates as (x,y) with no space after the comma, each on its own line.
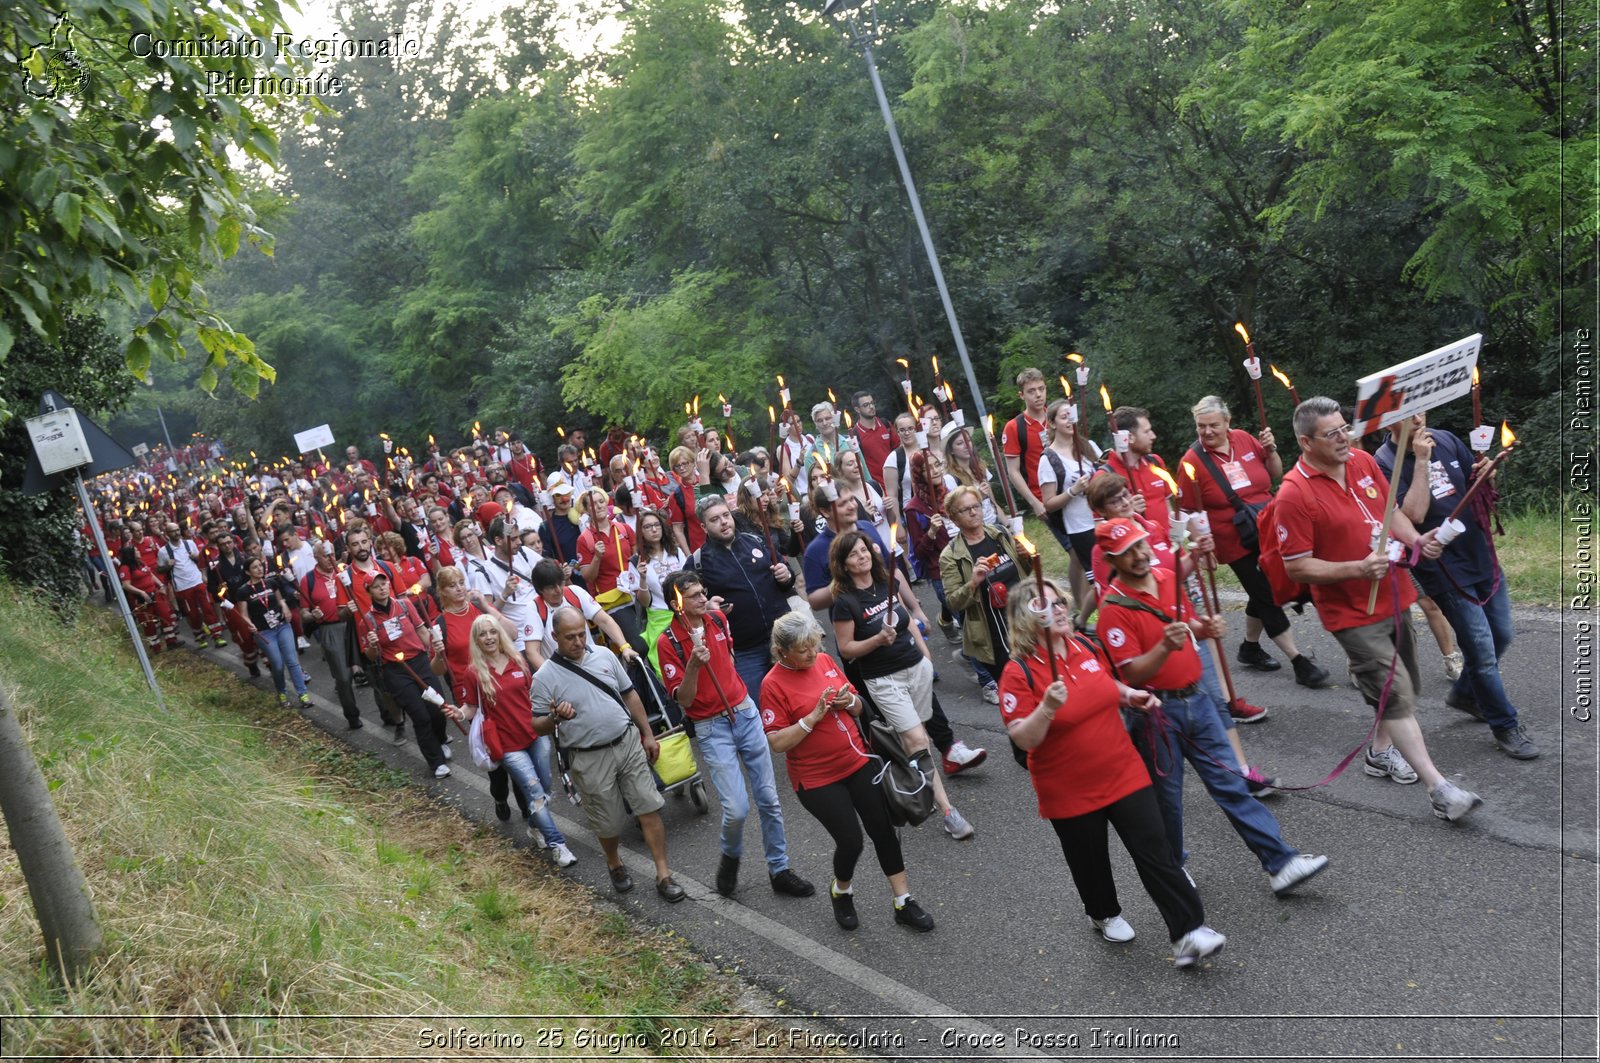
(897,470)
(1329,525)
(873,435)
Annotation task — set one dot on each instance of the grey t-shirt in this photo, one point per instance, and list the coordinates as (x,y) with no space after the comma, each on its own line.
(598,717)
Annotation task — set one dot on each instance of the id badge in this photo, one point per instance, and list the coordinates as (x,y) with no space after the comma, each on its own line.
(1438,482)
(1237,477)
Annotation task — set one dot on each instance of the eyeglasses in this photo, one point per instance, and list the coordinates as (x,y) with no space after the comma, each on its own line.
(976,507)
(680,466)
(1334,435)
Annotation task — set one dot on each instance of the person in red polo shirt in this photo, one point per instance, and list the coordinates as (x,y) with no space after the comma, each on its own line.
(696,654)
(393,637)
(875,436)
(1248,466)
(1134,465)
(1024,438)
(1150,631)
(1329,517)
(1087,775)
(809,710)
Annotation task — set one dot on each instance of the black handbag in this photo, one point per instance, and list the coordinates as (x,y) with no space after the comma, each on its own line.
(905,778)
(1244,513)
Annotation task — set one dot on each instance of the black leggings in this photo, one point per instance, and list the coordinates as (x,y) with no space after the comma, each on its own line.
(1261,606)
(1137,820)
(843,808)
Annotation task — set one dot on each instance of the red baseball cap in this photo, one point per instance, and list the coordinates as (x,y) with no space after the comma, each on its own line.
(1116,535)
(486,513)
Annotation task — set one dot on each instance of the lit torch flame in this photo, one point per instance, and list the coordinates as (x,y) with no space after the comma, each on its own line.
(1507,436)
(1027,544)
(1474,376)
(1075,357)
(1165,477)
(1188,470)
(772,414)
(1281,378)
(780,381)
(721,398)
(561,432)
(1238,326)
(936,365)
(903,364)
(1105,397)
(1066,388)
(697,405)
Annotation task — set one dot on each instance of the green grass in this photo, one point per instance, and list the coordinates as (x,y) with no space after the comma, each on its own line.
(245,863)
(1530,553)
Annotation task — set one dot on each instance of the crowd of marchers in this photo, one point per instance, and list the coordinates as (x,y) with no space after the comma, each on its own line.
(574,616)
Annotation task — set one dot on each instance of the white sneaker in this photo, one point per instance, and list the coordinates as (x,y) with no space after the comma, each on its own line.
(1114,929)
(536,836)
(1196,945)
(1299,868)
(446,751)
(563,856)
(302,644)
(991,693)
(956,825)
(1451,802)
(442,771)
(1389,764)
(1453,663)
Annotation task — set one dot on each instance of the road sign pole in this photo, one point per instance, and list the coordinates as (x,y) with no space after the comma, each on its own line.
(93,518)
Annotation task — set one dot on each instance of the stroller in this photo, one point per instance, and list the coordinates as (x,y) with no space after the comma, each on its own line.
(675,770)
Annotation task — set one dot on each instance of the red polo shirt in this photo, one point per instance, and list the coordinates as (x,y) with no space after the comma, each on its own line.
(611,565)
(1142,481)
(1086,761)
(1130,633)
(1038,440)
(876,443)
(834,749)
(707,702)
(1322,518)
(1204,494)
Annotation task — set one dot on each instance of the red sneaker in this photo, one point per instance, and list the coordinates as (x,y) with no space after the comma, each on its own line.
(1244,712)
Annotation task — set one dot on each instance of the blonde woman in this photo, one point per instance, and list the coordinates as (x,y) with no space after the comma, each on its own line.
(497,686)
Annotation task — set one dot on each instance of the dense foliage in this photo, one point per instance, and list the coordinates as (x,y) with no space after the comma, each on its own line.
(512,233)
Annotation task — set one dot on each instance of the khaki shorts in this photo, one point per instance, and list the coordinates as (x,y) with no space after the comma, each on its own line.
(905,697)
(1370,648)
(606,777)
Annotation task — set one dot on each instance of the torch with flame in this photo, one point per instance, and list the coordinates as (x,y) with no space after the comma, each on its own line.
(1294,395)
(1252,365)
(1041,605)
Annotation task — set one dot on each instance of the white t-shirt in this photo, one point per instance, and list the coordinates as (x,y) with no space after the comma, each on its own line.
(185,573)
(1076,514)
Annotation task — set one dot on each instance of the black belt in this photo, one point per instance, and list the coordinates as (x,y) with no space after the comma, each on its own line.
(603,745)
(1187,692)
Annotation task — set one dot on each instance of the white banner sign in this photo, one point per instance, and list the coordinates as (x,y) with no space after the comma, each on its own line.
(312,438)
(1424,382)
(141,449)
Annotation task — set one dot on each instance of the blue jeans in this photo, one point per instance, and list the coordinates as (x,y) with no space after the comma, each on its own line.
(723,749)
(523,767)
(278,644)
(1484,634)
(1196,717)
(1211,683)
(753,665)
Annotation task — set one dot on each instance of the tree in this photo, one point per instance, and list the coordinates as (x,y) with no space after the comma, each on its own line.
(116,161)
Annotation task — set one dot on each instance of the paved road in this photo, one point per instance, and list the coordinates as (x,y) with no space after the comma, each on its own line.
(1424,939)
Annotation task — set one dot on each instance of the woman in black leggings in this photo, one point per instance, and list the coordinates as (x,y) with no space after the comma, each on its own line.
(809,711)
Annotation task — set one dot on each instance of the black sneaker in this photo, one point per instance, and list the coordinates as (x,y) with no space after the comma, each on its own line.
(727,875)
(1251,655)
(1308,674)
(502,811)
(1515,743)
(844,910)
(911,914)
(255,671)
(355,724)
(621,881)
(786,881)
(1464,703)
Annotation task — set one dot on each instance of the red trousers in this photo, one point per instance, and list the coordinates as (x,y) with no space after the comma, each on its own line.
(201,613)
(243,634)
(158,621)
